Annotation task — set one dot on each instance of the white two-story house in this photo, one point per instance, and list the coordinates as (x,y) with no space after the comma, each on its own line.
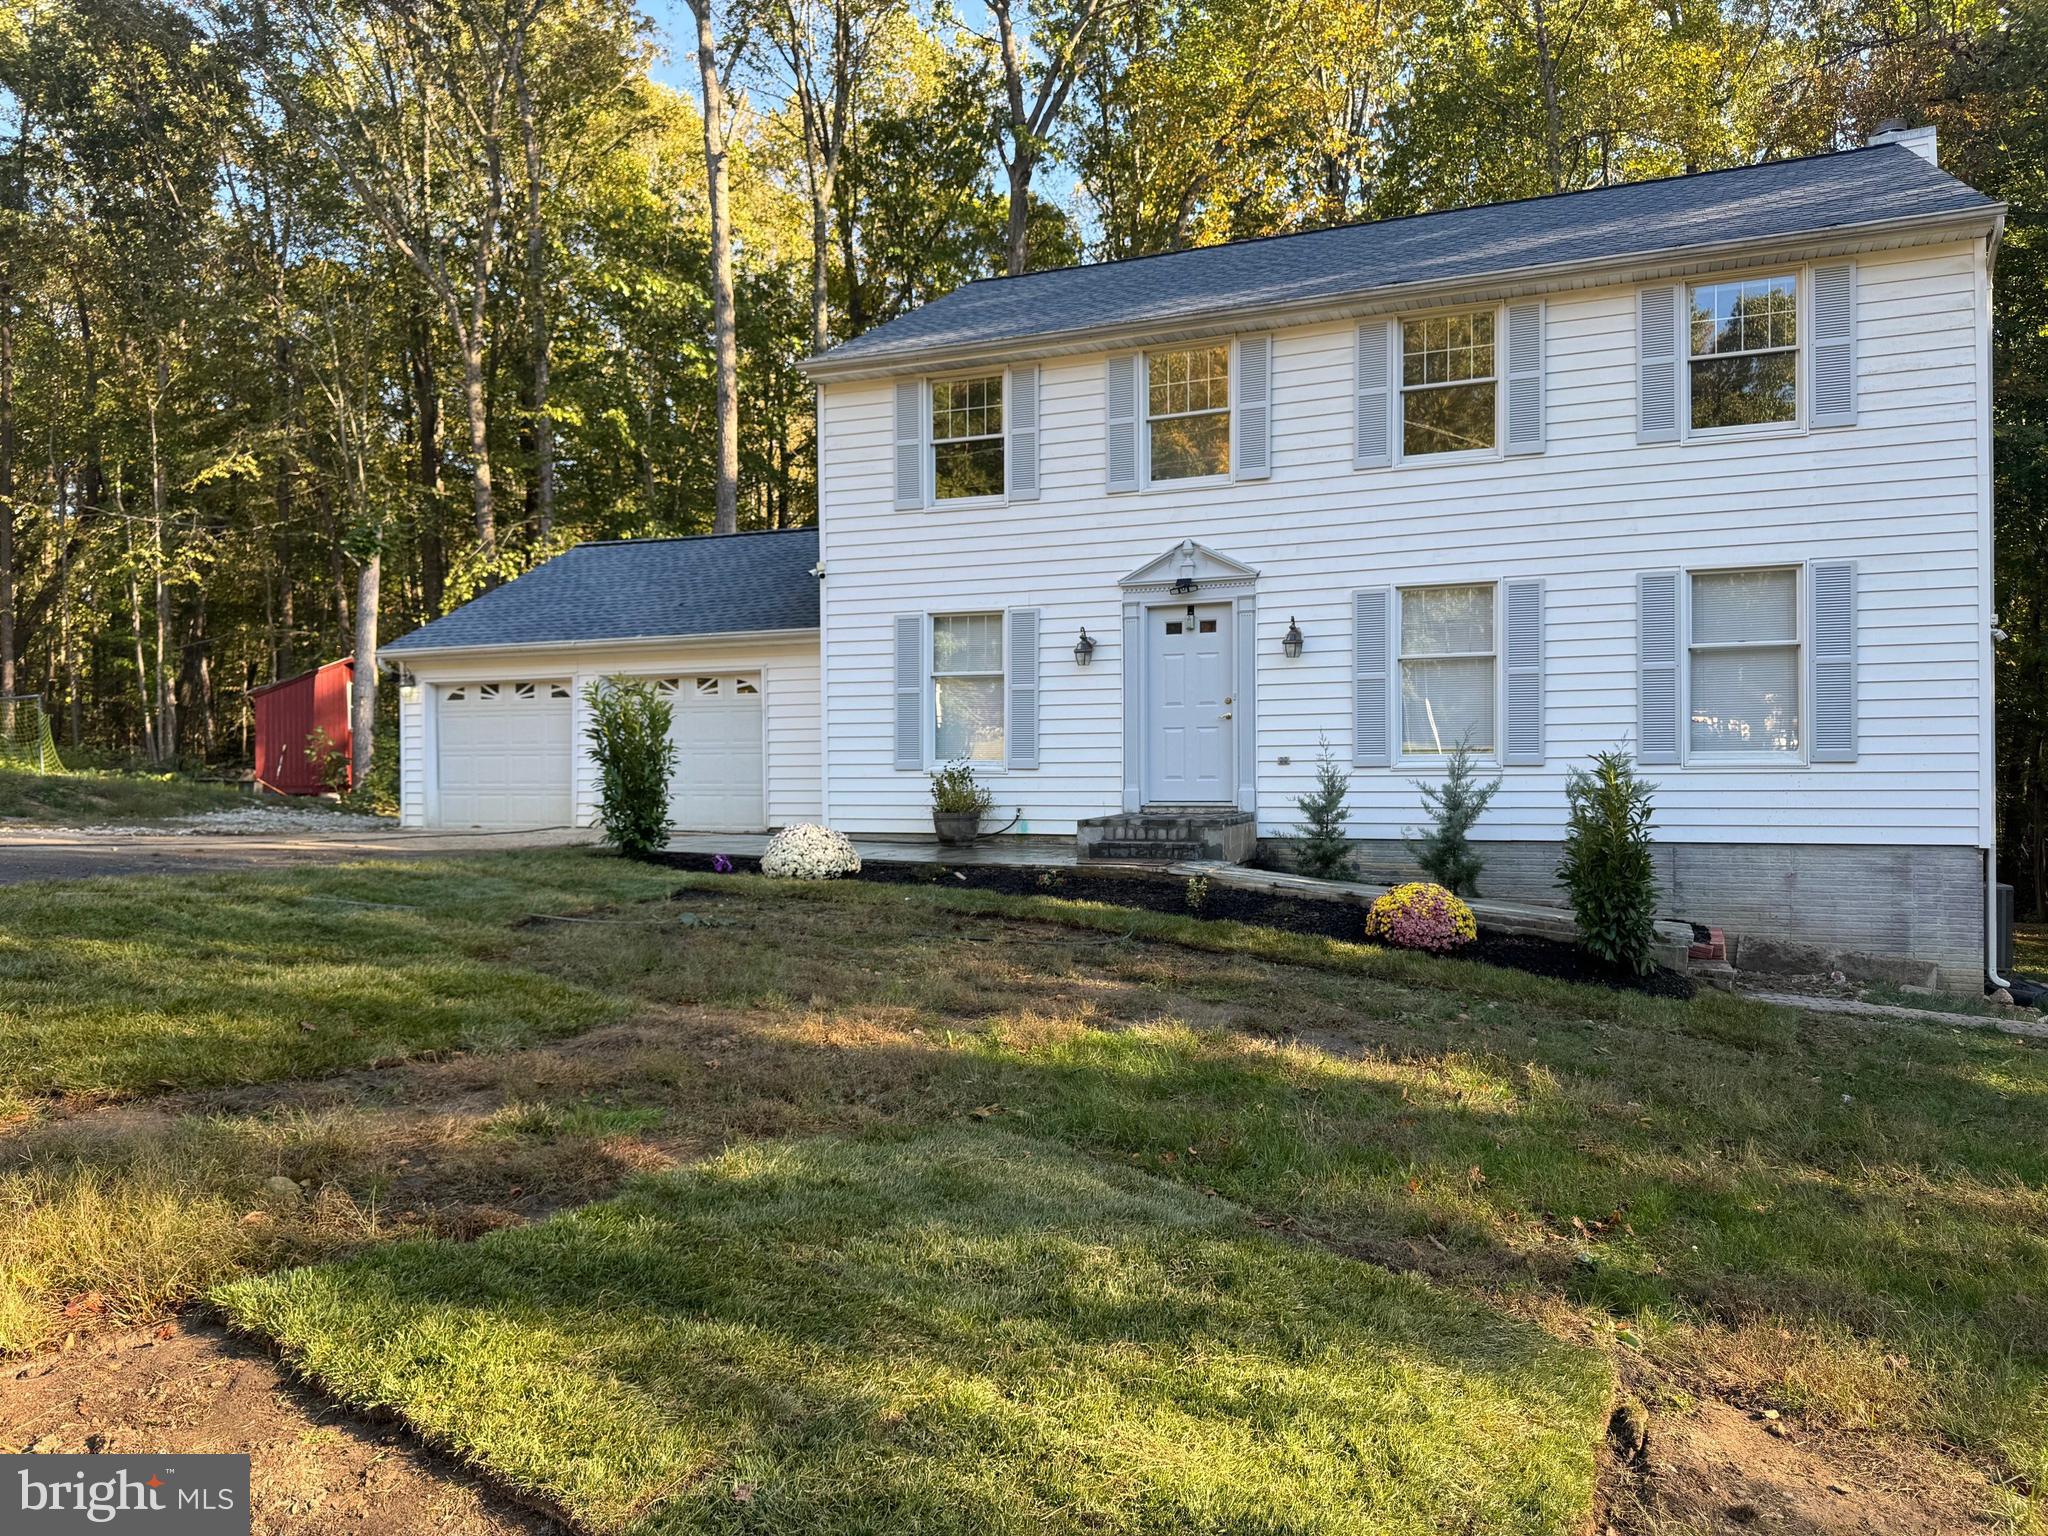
(1700,467)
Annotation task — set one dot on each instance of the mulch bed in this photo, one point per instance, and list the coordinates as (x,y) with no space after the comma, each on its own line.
(1290,914)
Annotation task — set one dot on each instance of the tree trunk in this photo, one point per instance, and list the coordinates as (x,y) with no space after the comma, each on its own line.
(537,315)
(1553,118)
(363,701)
(7,445)
(724,327)
(166,700)
(476,406)
(1016,240)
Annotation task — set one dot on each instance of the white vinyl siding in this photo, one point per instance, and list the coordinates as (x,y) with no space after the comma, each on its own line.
(1900,495)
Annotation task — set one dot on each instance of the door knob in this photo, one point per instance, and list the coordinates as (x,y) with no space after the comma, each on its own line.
(1226,714)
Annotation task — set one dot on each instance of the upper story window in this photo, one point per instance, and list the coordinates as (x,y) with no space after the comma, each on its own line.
(1187,412)
(967,437)
(967,687)
(1448,384)
(1447,670)
(1743,659)
(1743,369)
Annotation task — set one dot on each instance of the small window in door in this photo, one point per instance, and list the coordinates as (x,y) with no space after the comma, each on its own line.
(487,691)
(668,687)
(522,690)
(1207,626)
(557,691)
(747,687)
(707,687)
(1173,626)
(454,696)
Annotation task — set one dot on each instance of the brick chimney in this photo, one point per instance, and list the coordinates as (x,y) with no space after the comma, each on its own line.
(1918,140)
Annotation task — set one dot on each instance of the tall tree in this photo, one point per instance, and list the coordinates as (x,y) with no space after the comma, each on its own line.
(1035,92)
(719,125)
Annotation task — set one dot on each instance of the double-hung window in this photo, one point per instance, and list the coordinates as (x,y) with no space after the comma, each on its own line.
(1187,413)
(967,687)
(1742,368)
(1447,670)
(1449,385)
(1744,664)
(967,437)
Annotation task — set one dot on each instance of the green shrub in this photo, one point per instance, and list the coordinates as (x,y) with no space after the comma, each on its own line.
(628,735)
(1606,868)
(1445,851)
(1324,851)
(956,789)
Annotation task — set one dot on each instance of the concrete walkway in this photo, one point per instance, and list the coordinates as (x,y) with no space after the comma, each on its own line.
(1035,852)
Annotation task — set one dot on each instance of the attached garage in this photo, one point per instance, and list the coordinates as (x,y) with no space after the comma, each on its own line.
(492,715)
(505,762)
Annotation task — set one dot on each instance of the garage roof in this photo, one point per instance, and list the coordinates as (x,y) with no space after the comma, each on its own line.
(641,589)
(1780,199)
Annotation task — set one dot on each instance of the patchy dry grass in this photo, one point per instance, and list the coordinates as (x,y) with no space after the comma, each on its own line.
(91,795)
(967,1331)
(1843,1220)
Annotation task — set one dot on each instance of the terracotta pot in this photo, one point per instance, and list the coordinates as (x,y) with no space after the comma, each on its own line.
(956,828)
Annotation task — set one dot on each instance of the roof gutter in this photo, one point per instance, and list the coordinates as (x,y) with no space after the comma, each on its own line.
(1500,282)
(400,652)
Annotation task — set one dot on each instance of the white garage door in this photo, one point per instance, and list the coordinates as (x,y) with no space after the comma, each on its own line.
(504,755)
(719,781)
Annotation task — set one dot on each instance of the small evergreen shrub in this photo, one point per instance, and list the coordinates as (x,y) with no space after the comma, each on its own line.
(1445,852)
(628,736)
(1324,851)
(1419,915)
(956,789)
(1606,868)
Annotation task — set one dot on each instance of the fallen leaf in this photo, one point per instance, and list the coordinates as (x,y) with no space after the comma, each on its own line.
(743,1493)
(308,1025)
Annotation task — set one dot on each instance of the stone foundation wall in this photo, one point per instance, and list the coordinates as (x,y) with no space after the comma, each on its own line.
(1926,903)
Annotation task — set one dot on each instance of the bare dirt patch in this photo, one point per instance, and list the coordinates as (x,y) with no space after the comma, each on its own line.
(1717,1471)
(314,1467)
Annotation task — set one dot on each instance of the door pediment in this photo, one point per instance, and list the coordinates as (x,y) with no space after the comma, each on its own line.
(1189,562)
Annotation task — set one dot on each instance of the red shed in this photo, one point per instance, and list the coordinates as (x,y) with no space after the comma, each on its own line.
(287,715)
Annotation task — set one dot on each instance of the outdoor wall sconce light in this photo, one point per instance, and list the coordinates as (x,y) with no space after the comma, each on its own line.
(1290,643)
(1084,648)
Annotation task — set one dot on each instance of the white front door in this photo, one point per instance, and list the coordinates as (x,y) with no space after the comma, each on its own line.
(504,755)
(1190,739)
(716,726)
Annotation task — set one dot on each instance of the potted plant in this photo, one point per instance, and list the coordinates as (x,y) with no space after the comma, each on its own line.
(959,801)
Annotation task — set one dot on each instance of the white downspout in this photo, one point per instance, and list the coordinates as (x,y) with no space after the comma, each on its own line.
(1989,725)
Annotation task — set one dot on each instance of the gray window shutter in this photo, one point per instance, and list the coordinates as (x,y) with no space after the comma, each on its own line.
(1022,409)
(1375,400)
(910,413)
(1525,378)
(1525,674)
(1120,398)
(1834,661)
(1657,667)
(1834,346)
(1657,316)
(1371,737)
(1020,730)
(1253,457)
(910,690)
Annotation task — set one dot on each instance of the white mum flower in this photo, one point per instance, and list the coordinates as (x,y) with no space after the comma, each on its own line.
(809,853)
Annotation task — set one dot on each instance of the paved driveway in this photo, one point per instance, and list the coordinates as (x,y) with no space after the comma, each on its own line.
(60,853)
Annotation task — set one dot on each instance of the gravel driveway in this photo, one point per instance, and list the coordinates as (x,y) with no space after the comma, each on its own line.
(256,838)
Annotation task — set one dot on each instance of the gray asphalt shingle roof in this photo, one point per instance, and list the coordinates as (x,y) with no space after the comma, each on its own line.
(637,589)
(1783,198)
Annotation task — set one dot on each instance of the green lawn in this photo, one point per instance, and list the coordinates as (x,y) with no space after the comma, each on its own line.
(96,795)
(2030,948)
(1843,1220)
(967,1332)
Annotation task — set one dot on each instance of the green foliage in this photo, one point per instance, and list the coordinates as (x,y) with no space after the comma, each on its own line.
(1607,868)
(955,790)
(1445,851)
(629,737)
(376,793)
(1197,895)
(1324,851)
